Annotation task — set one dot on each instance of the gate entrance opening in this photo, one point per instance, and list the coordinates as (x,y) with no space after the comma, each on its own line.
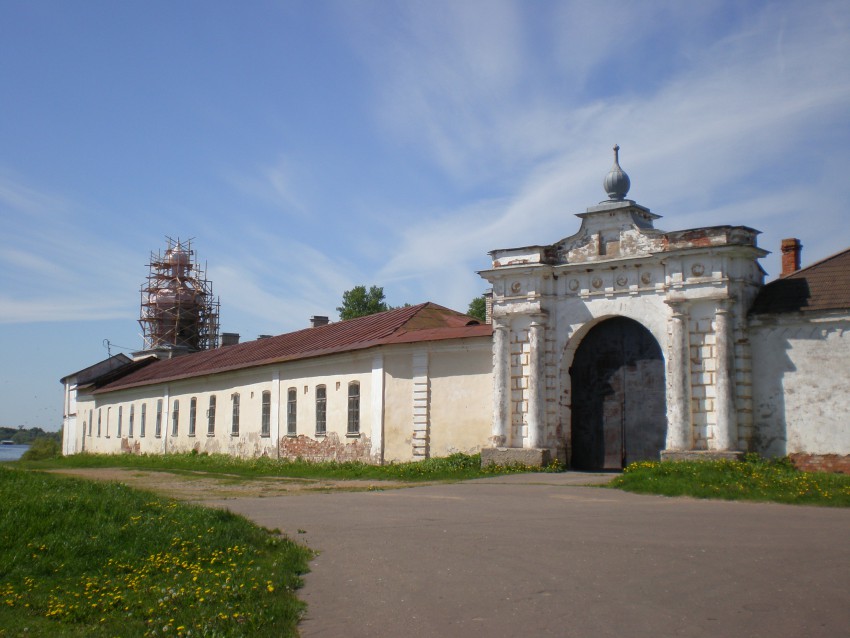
(619,409)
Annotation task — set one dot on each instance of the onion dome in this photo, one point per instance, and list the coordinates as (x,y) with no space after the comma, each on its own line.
(616,182)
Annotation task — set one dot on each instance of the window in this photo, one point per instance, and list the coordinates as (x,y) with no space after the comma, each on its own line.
(130,421)
(99,410)
(193,413)
(265,427)
(211,417)
(120,415)
(175,417)
(234,423)
(321,410)
(291,406)
(91,420)
(142,422)
(354,408)
(158,431)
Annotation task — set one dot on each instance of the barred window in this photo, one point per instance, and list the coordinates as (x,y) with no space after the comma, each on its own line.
(193,414)
(265,427)
(354,408)
(211,417)
(321,410)
(291,411)
(175,417)
(234,423)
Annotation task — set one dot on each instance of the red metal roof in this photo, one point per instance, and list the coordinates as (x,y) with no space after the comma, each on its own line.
(424,322)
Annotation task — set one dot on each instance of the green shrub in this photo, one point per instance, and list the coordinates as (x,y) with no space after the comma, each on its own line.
(42,448)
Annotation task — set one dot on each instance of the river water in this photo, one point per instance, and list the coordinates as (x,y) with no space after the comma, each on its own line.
(12,452)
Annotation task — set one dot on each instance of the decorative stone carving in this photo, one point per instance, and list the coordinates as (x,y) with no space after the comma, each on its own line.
(646,278)
(698,270)
(574,284)
(597,282)
(622,280)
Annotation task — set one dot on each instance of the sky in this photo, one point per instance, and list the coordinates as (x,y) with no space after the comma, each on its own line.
(309,147)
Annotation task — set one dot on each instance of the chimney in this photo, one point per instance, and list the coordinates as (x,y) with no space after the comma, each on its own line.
(791,250)
(318,320)
(263,337)
(229,339)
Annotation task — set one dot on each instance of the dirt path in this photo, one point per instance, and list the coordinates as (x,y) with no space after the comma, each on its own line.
(199,487)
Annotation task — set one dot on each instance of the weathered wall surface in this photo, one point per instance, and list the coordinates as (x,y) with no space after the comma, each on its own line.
(801,385)
(461,397)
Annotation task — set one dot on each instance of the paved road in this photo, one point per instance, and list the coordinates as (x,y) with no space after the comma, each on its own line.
(536,555)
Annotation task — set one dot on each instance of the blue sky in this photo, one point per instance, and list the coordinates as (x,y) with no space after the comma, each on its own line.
(308,147)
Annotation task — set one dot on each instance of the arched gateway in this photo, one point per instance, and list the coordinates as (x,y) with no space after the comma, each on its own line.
(676,382)
(618,389)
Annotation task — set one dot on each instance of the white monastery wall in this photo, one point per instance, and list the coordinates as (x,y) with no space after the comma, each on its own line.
(803,383)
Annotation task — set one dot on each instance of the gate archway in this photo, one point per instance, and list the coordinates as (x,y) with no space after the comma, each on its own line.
(619,410)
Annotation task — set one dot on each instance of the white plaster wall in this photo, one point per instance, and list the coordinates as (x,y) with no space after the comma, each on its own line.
(335,373)
(801,384)
(461,397)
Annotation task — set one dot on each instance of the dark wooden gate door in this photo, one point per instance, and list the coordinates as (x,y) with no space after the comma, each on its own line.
(619,411)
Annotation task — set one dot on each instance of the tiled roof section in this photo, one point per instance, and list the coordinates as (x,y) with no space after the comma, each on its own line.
(424,322)
(824,285)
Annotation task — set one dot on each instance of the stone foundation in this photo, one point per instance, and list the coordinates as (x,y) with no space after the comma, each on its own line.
(534,457)
(701,455)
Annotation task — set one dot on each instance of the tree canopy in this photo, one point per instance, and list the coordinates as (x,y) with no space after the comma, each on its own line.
(478,308)
(359,302)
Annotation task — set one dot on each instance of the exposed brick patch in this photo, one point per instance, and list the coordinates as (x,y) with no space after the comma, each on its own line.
(130,448)
(822,462)
(327,448)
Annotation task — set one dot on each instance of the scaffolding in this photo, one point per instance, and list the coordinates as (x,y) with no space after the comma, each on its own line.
(178,309)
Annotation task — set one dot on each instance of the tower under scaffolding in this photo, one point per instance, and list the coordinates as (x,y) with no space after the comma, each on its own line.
(178,310)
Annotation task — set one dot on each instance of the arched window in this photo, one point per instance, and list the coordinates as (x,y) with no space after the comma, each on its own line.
(158,431)
(234,423)
(120,416)
(291,411)
(211,417)
(175,417)
(130,420)
(193,415)
(321,410)
(265,425)
(354,408)
(143,418)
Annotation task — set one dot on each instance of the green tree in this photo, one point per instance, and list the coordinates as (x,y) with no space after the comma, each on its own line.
(478,308)
(359,302)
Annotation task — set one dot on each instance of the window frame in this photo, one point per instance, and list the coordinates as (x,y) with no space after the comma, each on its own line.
(353,428)
(143,416)
(158,428)
(234,415)
(292,412)
(175,417)
(120,418)
(211,415)
(193,415)
(130,420)
(321,410)
(266,414)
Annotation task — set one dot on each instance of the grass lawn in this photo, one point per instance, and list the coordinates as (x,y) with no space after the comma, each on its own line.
(83,558)
(753,479)
(455,467)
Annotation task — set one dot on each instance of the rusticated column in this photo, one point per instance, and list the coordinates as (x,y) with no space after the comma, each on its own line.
(501,383)
(726,430)
(536,381)
(679,426)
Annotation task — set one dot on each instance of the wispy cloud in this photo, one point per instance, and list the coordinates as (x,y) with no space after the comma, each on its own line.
(695,146)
